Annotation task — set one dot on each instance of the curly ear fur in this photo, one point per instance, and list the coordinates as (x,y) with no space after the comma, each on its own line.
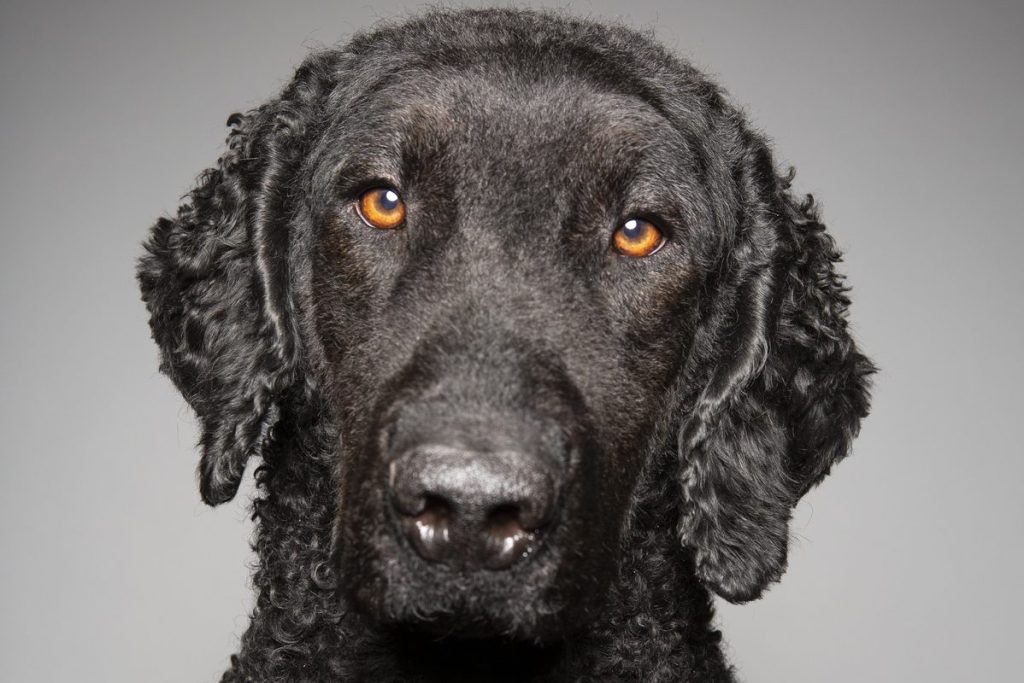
(214,282)
(785,390)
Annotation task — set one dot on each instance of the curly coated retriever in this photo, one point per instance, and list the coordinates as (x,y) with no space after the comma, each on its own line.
(533,341)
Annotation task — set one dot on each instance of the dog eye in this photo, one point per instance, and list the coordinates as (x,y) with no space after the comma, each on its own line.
(638,238)
(381,208)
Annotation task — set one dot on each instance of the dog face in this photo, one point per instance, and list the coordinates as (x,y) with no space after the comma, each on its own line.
(497,363)
(512,260)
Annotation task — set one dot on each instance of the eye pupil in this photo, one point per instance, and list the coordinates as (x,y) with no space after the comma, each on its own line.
(389,200)
(632,228)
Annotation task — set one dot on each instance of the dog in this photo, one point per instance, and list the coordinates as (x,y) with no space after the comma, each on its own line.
(535,344)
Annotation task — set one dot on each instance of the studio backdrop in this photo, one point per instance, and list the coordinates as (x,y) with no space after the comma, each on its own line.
(902,119)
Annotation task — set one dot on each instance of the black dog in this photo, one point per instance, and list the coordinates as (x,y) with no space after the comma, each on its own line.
(533,341)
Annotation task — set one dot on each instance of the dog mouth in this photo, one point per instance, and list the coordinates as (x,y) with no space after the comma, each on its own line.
(470,628)
(407,580)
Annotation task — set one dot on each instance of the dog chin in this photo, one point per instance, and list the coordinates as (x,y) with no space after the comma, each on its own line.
(480,624)
(467,615)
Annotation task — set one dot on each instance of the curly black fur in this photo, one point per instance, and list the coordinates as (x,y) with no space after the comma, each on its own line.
(704,389)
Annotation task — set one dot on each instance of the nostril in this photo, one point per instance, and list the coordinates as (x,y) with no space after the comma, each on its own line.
(505,518)
(429,529)
(506,538)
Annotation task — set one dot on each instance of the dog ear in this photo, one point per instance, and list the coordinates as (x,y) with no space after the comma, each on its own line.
(214,280)
(783,386)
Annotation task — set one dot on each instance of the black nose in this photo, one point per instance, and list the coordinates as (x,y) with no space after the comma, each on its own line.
(472,509)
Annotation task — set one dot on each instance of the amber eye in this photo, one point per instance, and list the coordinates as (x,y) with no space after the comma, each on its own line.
(638,238)
(381,208)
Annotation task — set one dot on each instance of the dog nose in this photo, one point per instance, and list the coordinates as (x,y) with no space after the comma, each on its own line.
(472,509)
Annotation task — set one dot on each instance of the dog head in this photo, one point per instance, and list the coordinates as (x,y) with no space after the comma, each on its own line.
(511,258)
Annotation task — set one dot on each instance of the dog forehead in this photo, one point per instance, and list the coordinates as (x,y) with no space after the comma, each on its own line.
(486,110)
(484,103)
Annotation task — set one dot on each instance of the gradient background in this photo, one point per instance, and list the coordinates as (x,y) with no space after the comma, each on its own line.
(905,118)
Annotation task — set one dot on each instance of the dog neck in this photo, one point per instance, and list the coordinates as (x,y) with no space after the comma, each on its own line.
(656,625)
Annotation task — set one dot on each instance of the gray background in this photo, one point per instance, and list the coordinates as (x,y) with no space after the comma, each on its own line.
(905,119)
